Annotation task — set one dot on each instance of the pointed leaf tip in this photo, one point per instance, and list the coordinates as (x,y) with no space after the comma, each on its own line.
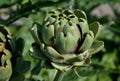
(34,33)
(87,42)
(96,47)
(36,52)
(62,67)
(95,27)
(80,14)
(53,55)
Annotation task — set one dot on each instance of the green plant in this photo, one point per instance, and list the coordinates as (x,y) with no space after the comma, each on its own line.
(5,55)
(103,66)
(65,40)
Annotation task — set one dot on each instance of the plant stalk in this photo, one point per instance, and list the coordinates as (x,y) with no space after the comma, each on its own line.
(28,10)
(59,76)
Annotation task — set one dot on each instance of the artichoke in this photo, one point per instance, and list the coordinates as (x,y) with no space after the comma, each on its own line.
(65,40)
(5,55)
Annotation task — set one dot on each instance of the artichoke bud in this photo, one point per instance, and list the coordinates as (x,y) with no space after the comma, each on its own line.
(3,34)
(5,55)
(67,38)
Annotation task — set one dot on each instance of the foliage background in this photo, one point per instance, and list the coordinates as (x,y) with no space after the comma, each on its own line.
(19,16)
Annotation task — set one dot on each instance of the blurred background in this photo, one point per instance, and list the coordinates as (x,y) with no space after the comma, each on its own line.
(19,16)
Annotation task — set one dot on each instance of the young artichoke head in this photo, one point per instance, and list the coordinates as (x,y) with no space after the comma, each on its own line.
(5,55)
(65,39)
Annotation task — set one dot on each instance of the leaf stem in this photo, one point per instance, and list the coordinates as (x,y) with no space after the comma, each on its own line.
(28,9)
(59,76)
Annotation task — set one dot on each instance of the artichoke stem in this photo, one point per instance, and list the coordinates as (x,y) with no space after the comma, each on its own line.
(59,76)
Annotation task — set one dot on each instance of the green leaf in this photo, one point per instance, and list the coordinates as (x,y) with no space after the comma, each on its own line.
(51,20)
(68,12)
(80,14)
(2,37)
(74,30)
(24,1)
(5,72)
(12,44)
(96,46)
(20,43)
(2,46)
(17,46)
(118,78)
(70,43)
(7,54)
(47,34)
(4,30)
(54,55)
(58,28)
(60,43)
(36,52)
(37,68)
(61,66)
(83,26)
(78,60)
(75,59)
(95,28)
(18,77)
(87,42)
(34,33)
(22,66)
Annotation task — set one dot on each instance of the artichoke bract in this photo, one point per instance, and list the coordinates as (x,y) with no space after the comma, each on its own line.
(65,40)
(5,55)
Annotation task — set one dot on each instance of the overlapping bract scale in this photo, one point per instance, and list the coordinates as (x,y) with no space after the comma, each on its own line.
(65,39)
(5,55)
